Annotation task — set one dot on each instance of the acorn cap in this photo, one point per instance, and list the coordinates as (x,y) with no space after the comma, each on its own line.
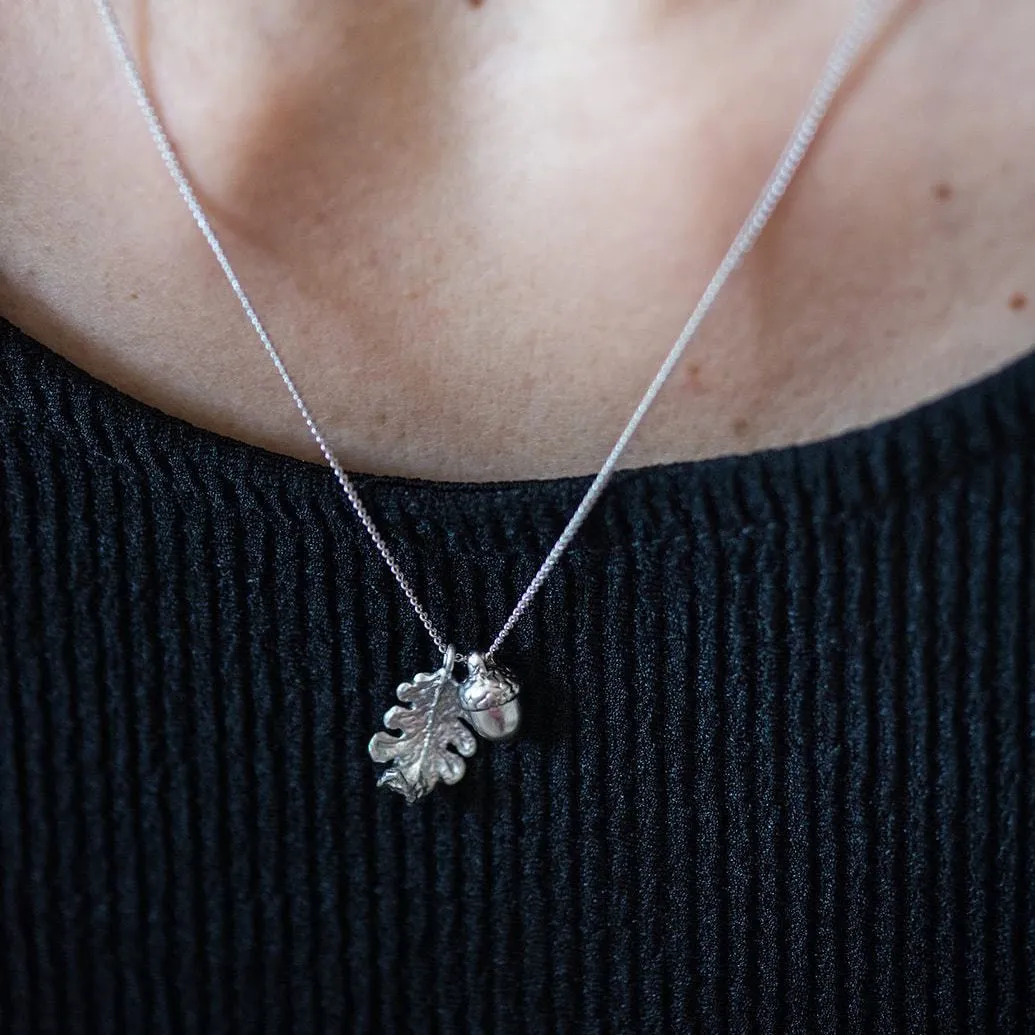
(486,686)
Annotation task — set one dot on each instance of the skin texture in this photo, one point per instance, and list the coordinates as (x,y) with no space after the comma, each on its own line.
(475,230)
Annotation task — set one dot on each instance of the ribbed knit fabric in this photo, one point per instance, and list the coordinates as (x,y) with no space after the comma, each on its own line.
(776,772)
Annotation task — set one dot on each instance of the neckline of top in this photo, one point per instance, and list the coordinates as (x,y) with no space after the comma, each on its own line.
(847,472)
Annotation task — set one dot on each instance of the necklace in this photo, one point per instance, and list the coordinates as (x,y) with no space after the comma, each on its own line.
(438,710)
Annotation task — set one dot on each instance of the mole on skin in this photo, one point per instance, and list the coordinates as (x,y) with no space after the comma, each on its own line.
(1018,301)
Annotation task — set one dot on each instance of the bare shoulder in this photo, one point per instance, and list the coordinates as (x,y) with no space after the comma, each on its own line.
(53,95)
(41,47)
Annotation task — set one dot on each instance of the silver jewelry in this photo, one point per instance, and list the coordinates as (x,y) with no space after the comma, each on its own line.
(433,739)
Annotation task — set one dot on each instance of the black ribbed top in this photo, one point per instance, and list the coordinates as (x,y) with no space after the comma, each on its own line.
(776,772)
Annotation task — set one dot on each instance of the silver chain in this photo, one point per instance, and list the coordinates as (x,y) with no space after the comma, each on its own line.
(847,49)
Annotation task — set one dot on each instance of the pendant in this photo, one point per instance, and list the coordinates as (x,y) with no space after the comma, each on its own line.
(432,721)
(489,700)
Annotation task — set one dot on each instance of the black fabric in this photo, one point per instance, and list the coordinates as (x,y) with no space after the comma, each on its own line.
(776,772)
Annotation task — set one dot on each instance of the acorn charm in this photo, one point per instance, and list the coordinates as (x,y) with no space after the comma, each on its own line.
(489,699)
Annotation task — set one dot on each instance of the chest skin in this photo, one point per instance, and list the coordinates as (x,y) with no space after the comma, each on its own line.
(475,238)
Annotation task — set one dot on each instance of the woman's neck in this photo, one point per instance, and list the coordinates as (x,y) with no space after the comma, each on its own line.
(521,202)
(247,82)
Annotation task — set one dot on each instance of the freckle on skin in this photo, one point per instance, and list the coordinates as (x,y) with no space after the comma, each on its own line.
(693,375)
(133,296)
(943,191)
(1018,301)
(740,427)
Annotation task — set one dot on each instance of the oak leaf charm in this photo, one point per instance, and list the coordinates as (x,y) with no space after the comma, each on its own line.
(432,742)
